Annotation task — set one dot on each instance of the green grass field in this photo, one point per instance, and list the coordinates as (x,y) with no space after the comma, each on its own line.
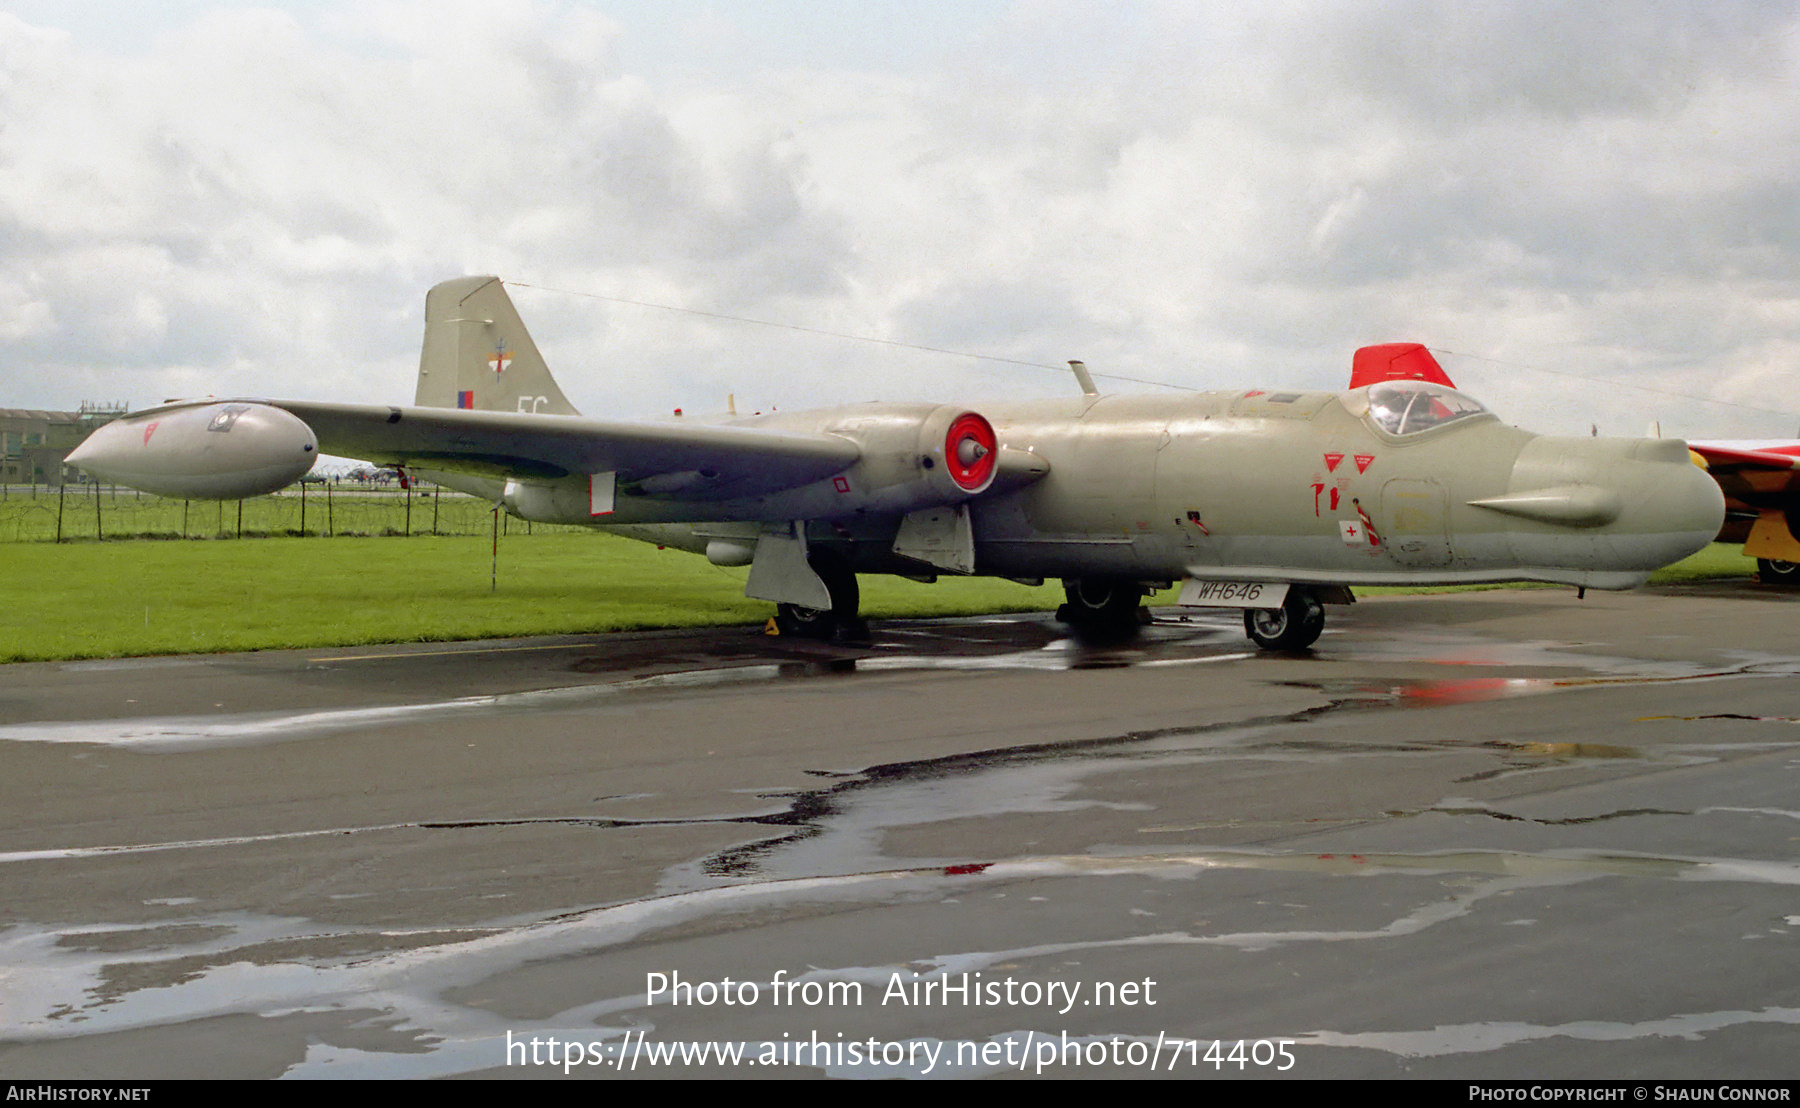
(106,599)
(90,599)
(1718,560)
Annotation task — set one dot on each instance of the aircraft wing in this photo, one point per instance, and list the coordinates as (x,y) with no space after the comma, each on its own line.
(737,461)
(1742,456)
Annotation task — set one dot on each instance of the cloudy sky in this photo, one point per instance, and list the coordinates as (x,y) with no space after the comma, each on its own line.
(1590,210)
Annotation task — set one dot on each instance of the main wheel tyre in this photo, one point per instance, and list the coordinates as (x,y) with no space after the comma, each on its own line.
(1102,606)
(1293,626)
(838,621)
(1777,572)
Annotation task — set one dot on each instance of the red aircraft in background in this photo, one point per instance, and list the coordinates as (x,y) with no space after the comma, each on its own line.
(1761,483)
(1760,479)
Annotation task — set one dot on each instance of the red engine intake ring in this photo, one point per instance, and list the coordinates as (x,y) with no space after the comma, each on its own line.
(970,451)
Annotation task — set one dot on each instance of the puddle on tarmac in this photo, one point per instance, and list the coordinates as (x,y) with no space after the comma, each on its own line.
(78,981)
(67,982)
(174,734)
(996,644)
(1482,1038)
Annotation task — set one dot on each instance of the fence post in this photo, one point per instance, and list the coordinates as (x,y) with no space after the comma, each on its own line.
(330,524)
(408,494)
(240,519)
(303,509)
(97,533)
(434,499)
(184,517)
(60,490)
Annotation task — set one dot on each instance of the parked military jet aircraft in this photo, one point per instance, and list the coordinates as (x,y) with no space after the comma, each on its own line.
(1273,501)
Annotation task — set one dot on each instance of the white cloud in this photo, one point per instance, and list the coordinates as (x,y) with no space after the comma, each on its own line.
(254,200)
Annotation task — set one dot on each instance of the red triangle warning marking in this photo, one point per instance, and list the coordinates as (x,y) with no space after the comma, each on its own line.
(1332,460)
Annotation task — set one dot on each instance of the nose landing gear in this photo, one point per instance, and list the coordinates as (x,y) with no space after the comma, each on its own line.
(1294,626)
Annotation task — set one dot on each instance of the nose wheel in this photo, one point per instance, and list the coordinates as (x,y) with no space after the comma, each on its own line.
(1293,626)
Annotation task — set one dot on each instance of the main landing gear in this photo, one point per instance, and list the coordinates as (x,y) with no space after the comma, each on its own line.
(839,621)
(1103,608)
(1293,626)
(1776,572)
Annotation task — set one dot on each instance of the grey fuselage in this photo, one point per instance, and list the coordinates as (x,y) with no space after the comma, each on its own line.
(1247,485)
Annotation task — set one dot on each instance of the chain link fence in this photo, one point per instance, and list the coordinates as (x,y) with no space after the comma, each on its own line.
(88,512)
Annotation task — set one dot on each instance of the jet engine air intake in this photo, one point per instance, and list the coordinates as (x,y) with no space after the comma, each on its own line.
(969,452)
(917,456)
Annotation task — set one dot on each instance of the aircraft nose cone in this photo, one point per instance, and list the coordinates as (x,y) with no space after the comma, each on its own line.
(1672,508)
(1610,506)
(1691,499)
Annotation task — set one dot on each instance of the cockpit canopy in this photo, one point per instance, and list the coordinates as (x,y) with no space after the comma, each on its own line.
(1409,407)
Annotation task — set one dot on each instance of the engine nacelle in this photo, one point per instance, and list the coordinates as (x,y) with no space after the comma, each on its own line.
(223,451)
(916,456)
(963,449)
(912,456)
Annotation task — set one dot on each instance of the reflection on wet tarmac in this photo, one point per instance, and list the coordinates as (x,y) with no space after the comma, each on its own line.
(421,984)
(1164,644)
(1482,1038)
(428,1000)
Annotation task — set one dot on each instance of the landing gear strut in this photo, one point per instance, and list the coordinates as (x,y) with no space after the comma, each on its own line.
(839,621)
(1293,626)
(1102,607)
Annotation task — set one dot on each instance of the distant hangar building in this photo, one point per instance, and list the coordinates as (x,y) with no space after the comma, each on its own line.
(33,442)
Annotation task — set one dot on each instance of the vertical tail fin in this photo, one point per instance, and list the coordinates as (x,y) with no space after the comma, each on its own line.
(478,355)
